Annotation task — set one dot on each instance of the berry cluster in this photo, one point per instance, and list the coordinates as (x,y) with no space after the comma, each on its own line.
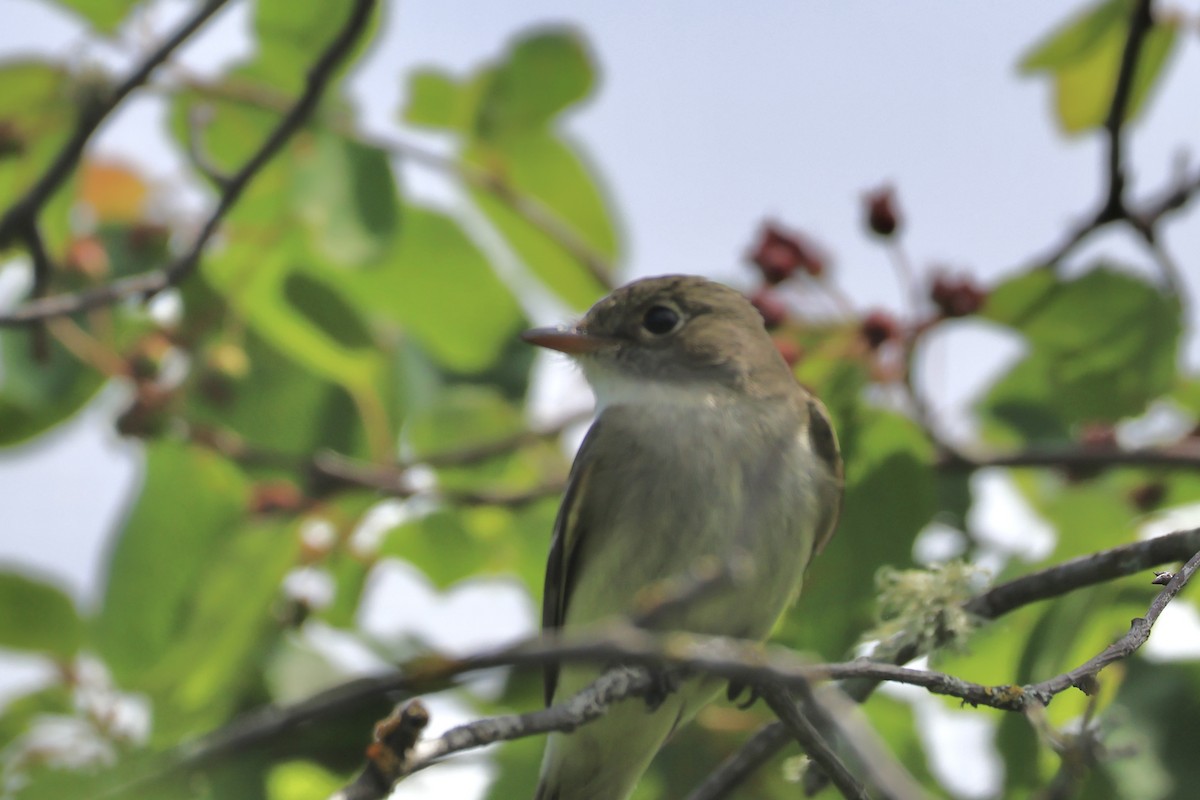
(780,254)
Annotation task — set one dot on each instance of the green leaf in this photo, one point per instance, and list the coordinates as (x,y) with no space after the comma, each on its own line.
(286,311)
(1084,59)
(241,387)
(37,114)
(439,287)
(291,35)
(545,73)
(1087,516)
(189,505)
(227,630)
(37,395)
(439,544)
(542,166)
(1187,394)
(437,100)
(134,249)
(507,110)
(302,780)
(1077,38)
(328,312)
(232,131)
(105,15)
(347,196)
(467,416)
(1102,346)
(37,617)
(1159,702)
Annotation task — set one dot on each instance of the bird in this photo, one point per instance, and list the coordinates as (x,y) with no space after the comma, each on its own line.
(704,445)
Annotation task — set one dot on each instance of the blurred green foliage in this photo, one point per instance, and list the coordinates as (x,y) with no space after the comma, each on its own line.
(338,314)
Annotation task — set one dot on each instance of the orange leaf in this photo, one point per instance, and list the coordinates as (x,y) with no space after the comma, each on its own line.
(115,192)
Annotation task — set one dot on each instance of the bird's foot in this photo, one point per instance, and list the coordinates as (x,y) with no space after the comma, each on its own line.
(735,691)
(663,683)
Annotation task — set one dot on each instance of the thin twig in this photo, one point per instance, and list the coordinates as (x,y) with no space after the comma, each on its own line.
(906,275)
(43,270)
(272,723)
(26,209)
(746,662)
(532,210)
(1114,206)
(395,481)
(198,119)
(150,283)
(1139,632)
(812,742)
(1175,198)
(328,469)
(590,703)
(1140,24)
(395,738)
(1183,454)
(753,755)
(832,710)
(1078,573)
(1053,581)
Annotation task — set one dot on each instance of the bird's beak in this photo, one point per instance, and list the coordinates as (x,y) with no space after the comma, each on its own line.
(571,341)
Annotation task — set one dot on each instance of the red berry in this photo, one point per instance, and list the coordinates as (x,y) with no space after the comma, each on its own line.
(956,296)
(883,218)
(275,495)
(1148,496)
(780,253)
(12,144)
(87,256)
(879,327)
(771,307)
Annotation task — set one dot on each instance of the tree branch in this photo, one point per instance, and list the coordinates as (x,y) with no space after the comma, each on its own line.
(529,208)
(150,283)
(25,210)
(812,742)
(1054,581)
(747,662)
(432,673)
(393,480)
(1114,205)
(1084,571)
(43,270)
(1140,24)
(385,769)
(1139,632)
(1184,454)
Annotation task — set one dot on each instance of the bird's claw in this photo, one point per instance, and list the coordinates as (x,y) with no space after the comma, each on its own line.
(736,690)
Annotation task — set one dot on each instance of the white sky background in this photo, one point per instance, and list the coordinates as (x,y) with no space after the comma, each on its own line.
(704,123)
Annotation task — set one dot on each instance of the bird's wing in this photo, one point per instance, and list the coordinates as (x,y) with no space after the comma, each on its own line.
(561,565)
(824,444)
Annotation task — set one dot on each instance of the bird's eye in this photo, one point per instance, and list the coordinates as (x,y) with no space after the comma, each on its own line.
(660,320)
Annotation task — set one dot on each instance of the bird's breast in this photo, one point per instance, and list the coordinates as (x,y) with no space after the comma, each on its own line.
(677,484)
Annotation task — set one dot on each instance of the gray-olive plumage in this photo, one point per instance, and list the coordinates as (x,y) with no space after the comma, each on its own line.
(704,445)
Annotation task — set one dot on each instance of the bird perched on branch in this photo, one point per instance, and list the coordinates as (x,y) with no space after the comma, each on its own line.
(704,447)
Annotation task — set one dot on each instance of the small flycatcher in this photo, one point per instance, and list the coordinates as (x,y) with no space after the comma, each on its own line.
(704,446)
